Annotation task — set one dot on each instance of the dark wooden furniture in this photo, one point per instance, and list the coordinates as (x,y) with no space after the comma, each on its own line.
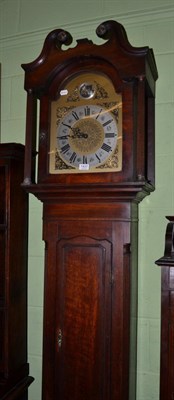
(167,315)
(90,220)
(14,379)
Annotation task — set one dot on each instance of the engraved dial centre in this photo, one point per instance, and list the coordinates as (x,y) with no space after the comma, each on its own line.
(88,136)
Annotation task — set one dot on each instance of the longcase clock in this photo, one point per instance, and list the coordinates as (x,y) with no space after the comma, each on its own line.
(95,162)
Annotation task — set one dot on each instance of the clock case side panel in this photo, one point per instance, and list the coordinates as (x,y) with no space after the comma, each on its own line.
(14,368)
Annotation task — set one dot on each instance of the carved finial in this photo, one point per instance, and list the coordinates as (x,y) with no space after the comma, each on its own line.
(110,29)
(102,30)
(63,37)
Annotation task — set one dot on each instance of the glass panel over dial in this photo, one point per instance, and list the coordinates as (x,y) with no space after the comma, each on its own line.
(86,126)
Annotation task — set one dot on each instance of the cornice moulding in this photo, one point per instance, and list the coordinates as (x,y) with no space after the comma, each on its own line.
(87,28)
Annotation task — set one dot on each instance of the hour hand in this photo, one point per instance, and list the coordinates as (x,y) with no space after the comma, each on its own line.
(78,134)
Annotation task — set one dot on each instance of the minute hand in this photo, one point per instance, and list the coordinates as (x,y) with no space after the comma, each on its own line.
(76,131)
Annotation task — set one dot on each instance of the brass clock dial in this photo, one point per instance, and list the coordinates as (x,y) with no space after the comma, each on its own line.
(86,134)
(86,137)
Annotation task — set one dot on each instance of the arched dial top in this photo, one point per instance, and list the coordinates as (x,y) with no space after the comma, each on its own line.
(86,126)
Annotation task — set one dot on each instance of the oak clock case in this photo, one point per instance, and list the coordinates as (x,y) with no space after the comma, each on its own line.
(95,163)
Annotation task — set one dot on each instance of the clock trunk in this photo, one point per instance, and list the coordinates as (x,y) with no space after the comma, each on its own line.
(90,302)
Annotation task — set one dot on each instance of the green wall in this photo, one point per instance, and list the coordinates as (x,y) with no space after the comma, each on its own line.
(23,27)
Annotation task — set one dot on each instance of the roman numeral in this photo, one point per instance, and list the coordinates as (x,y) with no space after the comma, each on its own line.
(65,148)
(106,147)
(98,158)
(109,135)
(85,160)
(87,111)
(107,122)
(74,114)
(73,157)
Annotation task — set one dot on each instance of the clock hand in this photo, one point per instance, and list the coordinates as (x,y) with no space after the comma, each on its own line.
(76,131)
(79,134)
